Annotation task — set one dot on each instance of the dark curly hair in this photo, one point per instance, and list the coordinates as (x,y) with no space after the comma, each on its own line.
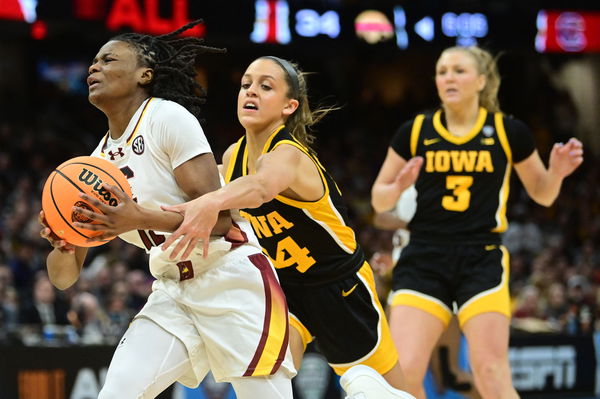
(173,60)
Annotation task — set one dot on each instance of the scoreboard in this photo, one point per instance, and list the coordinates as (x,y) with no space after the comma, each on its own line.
(317,24)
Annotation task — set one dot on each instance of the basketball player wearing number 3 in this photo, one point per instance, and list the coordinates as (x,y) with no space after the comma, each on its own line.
(465,151)
(298,215)
(223,312)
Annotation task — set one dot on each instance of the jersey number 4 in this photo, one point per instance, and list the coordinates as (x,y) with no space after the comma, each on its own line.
(290,254)
(460,199)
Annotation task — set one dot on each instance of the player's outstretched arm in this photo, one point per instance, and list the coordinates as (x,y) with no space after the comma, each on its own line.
(65,261)
(543,185)
(275,172)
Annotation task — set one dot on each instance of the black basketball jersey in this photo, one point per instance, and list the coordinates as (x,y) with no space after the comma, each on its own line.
(308,242)
(463,186)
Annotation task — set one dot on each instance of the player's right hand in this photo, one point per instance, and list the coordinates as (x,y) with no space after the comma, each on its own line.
(52,238)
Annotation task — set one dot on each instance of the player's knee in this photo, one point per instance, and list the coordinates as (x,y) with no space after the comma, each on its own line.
(490,370)
(362,382)
(413,368)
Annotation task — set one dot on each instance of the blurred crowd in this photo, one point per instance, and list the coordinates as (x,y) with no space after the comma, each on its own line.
(555,256)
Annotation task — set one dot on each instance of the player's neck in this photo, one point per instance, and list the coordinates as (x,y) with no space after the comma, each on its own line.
(460,120)
(119,116)
(256,137)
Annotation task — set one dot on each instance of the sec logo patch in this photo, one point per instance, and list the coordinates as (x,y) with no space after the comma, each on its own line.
(138,145)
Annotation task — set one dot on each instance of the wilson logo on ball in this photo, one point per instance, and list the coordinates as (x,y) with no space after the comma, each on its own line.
(62,191)
(91,179)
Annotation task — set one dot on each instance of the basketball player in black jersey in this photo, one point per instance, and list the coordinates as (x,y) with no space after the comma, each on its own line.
(297,212)
(460,159)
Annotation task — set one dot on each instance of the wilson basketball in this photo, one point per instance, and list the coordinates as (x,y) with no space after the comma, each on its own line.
(61,192)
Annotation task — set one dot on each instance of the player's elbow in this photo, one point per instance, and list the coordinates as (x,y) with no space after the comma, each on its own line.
(547,202)
(59,278)
(542,198)
(263,190)
(60,281)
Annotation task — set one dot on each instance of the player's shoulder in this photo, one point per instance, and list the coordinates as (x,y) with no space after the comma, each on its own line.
(228,153)
(170,111)
(426,114)
(513,124)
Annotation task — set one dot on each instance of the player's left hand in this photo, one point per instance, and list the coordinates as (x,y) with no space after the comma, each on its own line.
(113,220)
(565,158)
(199,218)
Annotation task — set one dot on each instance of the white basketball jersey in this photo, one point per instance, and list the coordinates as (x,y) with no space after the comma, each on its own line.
(160,136)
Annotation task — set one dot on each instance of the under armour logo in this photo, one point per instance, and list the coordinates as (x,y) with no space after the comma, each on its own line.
(115,154)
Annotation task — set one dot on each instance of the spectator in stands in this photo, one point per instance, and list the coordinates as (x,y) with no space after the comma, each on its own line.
(556,308)
(45,307)
(9,316)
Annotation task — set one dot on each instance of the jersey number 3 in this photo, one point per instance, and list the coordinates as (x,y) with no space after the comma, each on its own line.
(460,199)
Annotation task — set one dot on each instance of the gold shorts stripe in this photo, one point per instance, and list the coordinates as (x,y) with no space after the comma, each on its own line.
(421,301)
(306,336)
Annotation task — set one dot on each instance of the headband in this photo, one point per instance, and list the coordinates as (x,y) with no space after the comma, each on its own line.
(290,70)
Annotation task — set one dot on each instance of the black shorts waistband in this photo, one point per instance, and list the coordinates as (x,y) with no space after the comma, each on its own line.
(457,239)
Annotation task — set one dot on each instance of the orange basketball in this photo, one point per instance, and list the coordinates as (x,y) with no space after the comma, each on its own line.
(61,192)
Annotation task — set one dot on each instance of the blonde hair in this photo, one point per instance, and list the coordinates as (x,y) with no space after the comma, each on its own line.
(301,121)
(487,66)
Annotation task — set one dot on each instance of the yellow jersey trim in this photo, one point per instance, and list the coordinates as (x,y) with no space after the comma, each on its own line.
(232,160)
(439,127)
(298,203)
(270,139)
(501,219)
(322,211)
(415,132)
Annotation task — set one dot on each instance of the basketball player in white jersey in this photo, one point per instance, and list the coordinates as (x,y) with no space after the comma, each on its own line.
(225,312)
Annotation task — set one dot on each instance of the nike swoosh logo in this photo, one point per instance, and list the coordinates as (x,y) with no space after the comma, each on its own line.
(346,293)
(490,247)
(430,141)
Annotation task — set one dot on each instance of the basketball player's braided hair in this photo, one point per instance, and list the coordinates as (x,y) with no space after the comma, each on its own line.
(173,60)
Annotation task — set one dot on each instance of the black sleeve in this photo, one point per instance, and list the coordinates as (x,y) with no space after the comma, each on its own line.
(401,140)
(520,139)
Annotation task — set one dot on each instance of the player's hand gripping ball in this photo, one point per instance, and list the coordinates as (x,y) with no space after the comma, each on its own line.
(61,193)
